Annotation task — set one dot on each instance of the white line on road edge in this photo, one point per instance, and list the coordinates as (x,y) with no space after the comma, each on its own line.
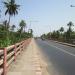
(62,50)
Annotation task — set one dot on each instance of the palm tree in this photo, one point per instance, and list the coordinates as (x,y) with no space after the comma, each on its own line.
(13,27)
(11,8)
(61,33)
(70,24)
(5,25)
(31,32)
(61,29)
(22,25)
(69,31)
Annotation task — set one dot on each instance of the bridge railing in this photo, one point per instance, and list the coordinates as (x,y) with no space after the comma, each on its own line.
(9,54)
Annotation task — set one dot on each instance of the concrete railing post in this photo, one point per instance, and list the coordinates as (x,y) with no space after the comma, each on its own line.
(9,53)
(20,47)
(15,52)
(5,62)
(24,45)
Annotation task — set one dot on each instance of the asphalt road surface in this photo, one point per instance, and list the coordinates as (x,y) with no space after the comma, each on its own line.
(60,58)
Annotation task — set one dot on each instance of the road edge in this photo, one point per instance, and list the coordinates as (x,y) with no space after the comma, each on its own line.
(71,45)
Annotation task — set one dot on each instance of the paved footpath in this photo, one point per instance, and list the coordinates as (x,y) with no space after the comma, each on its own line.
(29,62)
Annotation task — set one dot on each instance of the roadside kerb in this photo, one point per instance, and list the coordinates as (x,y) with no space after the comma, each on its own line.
(64,43)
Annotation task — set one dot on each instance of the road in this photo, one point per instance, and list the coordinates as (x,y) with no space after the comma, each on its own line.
(60,58)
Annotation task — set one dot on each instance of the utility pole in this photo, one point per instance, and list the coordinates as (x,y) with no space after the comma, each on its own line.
(31,23)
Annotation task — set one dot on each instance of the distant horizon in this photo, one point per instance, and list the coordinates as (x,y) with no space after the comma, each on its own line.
(46,15)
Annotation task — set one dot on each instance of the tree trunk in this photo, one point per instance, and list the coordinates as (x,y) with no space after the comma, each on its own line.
(24,29)
(8,25)
(9,21)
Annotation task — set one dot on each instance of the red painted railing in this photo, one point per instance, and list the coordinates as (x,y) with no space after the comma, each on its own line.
(9,54)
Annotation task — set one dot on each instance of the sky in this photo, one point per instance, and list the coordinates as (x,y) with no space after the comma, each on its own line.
(42,15)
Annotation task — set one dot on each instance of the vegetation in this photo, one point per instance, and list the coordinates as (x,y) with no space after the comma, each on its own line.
(11,8)
(13,36)
(22,27)
(31,32)
(8,34)
(61,35)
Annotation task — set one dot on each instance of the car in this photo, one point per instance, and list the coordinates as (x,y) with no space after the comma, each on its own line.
(43,38)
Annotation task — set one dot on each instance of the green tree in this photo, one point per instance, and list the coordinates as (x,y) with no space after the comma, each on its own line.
(70,24)
(31,32)
(13,27)
(53,34)
(11,8)
(22,25)
(61,33)
(57,34)
(69,31)
(5,26)
(48,36)
(61,29)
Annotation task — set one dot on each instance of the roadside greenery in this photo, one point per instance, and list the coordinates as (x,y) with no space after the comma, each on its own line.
(8,33)
(62,35)
(10,36)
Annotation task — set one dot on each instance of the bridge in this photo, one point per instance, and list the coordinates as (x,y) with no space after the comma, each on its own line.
(23,58)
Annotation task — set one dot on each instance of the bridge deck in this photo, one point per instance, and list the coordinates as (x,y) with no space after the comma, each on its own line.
(28,63)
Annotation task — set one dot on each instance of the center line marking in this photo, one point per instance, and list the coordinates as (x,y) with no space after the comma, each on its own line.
(61,49)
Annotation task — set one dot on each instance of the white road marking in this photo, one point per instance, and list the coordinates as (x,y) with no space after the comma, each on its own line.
(61,50)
